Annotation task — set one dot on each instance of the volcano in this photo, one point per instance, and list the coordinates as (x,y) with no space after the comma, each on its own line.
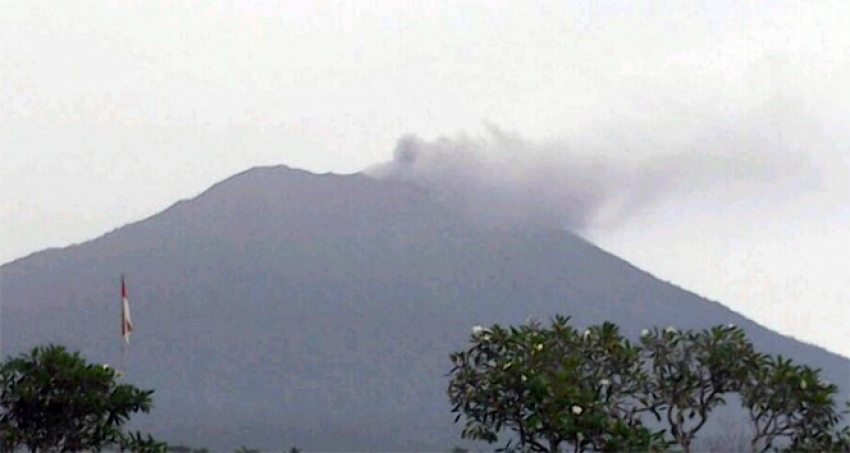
(282,308)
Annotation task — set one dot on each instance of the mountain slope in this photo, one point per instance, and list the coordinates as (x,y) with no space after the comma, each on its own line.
(283,308)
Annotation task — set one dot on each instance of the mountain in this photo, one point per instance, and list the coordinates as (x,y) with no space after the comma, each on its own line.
(284,308)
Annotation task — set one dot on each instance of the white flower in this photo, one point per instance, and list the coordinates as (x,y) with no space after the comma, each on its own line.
(605,382)
(587,333)
(644,332)
(478,330)
(670,329)
(577,410)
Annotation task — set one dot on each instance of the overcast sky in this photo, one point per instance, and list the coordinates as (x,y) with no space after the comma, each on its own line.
(720,127)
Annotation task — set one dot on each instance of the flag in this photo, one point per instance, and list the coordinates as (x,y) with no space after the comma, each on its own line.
(126,323)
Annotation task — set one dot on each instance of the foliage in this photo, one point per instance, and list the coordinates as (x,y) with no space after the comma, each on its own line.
(691,374)
(593,390)
(822,442)
(52,400)
(785,400)
(551,386)
(137,443)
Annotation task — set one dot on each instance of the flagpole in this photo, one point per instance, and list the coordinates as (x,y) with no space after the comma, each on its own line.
(120,373)
(124,329)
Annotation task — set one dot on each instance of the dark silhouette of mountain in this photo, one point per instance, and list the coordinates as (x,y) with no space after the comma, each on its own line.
(284,308)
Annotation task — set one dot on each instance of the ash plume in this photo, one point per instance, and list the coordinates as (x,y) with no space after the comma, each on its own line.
(582,184)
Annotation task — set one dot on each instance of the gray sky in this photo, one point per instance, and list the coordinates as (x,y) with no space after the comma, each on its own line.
(711,137)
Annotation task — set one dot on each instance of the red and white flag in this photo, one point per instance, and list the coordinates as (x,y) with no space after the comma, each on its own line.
(126,322)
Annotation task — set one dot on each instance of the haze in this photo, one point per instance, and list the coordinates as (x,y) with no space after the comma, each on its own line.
(705,142)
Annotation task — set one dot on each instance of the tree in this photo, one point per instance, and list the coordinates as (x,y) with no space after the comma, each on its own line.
(791,402)
(551,386)
(54,401)
(554,386)
(692,372)
(821,442)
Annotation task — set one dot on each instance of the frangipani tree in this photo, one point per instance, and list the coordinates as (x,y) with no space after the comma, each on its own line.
(550,387)
(789,401)
(555,387)
(692,373)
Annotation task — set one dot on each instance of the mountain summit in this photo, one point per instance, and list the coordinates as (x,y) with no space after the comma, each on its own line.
(285,308)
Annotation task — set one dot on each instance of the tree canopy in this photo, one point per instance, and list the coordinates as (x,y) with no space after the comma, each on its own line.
(52,400)
(597,391)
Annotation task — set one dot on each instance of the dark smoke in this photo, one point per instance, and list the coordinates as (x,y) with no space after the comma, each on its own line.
(505,178)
